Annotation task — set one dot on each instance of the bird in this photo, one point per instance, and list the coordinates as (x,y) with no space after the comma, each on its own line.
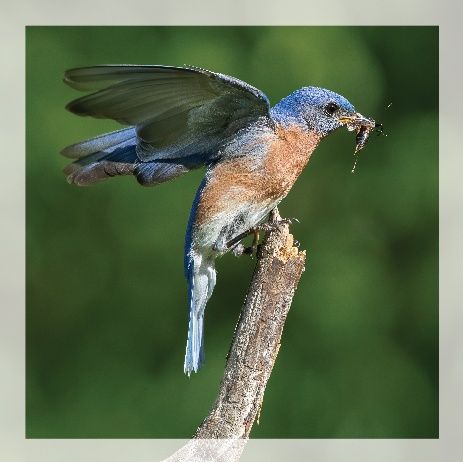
(182,118)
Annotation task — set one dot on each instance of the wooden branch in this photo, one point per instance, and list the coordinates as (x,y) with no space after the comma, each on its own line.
(224,432)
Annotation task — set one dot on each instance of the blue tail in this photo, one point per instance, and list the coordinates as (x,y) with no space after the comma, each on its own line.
(114,154)
(201,276)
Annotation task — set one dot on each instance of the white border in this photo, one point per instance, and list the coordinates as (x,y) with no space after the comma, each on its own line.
(16,15)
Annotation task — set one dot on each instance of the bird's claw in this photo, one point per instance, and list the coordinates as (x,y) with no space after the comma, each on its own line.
(239,249)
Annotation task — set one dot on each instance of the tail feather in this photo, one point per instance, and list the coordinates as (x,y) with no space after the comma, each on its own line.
(99,144)
(115,154)
(118,159)
(201,280)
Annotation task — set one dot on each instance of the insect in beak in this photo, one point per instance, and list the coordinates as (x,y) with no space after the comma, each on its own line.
(362,125)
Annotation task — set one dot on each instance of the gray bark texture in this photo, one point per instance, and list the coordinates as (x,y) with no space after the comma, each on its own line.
(224,432)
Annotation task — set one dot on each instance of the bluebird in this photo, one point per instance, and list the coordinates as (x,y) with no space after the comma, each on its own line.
(182,118)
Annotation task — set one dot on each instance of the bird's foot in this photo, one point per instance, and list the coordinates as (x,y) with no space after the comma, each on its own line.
(239,249)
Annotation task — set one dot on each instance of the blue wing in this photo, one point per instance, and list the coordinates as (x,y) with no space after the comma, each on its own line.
(179,115)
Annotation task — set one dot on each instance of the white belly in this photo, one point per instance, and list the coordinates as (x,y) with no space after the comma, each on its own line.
(212,235)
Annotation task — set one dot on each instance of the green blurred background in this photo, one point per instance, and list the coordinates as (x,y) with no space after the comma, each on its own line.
(106,297)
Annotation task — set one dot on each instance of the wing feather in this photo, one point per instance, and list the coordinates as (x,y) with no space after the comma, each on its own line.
(177,112)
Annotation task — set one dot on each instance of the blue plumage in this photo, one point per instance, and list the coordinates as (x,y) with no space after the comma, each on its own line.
(194,354)
(184,118)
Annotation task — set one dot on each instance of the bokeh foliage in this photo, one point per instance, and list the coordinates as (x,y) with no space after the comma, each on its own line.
(106,314)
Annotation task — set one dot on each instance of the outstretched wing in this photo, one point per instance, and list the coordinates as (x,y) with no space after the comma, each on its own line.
(181,113)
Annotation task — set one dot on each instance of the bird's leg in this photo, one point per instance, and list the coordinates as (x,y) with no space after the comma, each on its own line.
(252,250)
(238,248)
(274,217)
(274,223)
(236,239)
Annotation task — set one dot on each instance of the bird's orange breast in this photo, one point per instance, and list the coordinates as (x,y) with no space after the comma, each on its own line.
(286,158)
(249,179)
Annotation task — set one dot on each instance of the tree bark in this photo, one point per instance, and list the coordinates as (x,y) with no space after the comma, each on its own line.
(224,432)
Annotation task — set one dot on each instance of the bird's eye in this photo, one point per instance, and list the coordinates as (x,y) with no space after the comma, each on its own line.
(331,108)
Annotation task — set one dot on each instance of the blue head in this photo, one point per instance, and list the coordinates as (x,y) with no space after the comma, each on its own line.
(316,109)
